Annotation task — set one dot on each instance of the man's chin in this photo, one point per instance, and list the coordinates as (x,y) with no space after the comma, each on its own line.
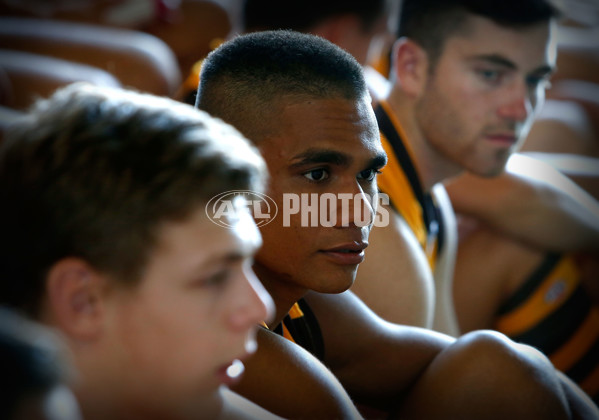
(490,171)
(336,287)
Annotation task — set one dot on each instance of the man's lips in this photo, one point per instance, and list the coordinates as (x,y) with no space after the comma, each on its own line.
(354,246)
(507,138)
(350,253)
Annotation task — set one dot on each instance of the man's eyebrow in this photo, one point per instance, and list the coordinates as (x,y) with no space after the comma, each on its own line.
(312,156)
(495,59)
(502,61)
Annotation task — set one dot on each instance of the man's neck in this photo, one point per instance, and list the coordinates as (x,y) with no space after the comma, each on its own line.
(283,292)
(431,166)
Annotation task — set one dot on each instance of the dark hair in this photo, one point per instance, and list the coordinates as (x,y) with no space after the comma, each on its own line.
(303,15)
(242,80)
(431,22)
(93,172)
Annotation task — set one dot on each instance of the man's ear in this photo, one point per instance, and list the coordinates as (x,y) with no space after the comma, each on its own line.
(410,66)
(75,298)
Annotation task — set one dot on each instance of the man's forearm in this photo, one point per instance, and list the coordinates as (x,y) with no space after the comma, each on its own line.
(531,202)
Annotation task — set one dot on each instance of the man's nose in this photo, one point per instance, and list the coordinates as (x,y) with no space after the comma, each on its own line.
(355,208)
(518,106)
(254,304)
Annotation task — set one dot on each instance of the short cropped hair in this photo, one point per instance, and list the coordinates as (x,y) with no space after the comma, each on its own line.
(303,15)
(94,172)
(431,22)
(244,79)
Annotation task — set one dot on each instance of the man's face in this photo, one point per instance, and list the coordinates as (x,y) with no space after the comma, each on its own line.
(480,100)
(322,146)
(194,312)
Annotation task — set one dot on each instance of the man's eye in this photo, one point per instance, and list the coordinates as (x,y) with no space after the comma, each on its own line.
(490,76)
(217,279)
(368,174)
(317,175)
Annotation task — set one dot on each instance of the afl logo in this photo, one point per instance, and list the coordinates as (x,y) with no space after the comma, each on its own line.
(555,292)
(222,208)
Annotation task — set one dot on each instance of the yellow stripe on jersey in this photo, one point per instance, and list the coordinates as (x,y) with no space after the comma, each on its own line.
(394,182)
(295,311)
(287,334)
(537,307)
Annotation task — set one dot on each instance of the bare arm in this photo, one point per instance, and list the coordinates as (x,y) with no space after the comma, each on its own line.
(287,380)
(531,202)
(376,361)
(405,369)
(582,170)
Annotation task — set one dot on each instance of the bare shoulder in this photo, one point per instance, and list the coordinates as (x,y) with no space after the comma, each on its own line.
(374,359)
(287,380)
(351,329)
(395,280)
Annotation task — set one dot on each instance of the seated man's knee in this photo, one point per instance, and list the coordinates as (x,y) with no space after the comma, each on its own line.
(492,351)
(490,377)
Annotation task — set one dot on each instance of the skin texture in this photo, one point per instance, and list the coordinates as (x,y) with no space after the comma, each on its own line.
(479,103)
(526,202)
(289,272)
(521,214)
(415,287)
(478,302)
(310,154)
(379,364)
(469,112)
(566,125)
(326,141)
(342,157)
(197,291)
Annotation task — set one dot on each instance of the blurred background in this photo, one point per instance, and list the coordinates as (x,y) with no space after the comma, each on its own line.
(153,45)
